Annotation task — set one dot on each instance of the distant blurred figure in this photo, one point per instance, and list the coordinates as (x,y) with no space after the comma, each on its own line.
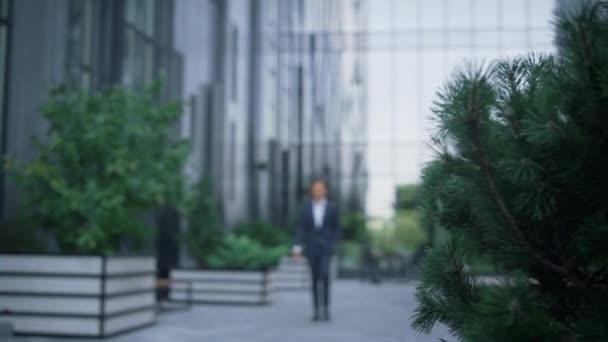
(317,233)
(370,264)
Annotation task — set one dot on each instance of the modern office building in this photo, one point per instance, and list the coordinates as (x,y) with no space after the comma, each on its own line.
(308,108)
(268,101)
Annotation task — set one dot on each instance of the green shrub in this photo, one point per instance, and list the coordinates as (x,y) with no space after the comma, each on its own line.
(204,234)
(354,226)
(401,233)
(244,254)
(267,234)
(107,161)
(350,254)
(406,196)
(408,232)
(21,235)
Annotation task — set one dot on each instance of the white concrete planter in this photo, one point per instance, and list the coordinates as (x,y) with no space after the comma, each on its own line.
(220,287)
(294,274)
(291,274)
(77,296)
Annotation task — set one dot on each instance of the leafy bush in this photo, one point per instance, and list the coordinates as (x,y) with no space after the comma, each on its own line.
(350,255)
(406,196)
(21,235)
(244,254)
(267,234)
(354,227)
(408,232)
(108,160)
(401,233)
(204,234)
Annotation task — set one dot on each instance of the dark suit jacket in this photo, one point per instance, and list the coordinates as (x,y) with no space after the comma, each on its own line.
(318,242)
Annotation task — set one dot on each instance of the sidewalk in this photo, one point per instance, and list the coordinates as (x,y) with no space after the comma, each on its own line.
(361,313)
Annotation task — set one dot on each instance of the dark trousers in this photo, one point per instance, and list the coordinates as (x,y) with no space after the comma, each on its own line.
(319,267)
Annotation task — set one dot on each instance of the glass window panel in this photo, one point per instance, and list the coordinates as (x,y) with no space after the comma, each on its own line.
(235,62)
(541,40)
(379,110)
(458,13)
(87,33)
(433,79)
(85,80)
(514,13)
(459,39)
(515,39)
(489,56)
(383,40)
(432,39)
(149,64)
(140,60)
(487,39)
(130,11)
(541,12)
(378,16)
(456,60)
(431,14)
(4,9)
(140,14)
(405,91)
(408,161)
(3,52)
(379,154)
(515,52)
(128,60)
(405,14)
(150,18)
(485,13)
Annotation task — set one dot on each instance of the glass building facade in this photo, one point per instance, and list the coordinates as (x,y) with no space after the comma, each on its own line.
(413,48)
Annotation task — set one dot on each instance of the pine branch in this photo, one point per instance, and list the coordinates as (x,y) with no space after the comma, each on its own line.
(484,164)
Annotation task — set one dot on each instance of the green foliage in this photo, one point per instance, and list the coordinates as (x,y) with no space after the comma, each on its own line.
(350,254)
(402,233)
(204,234)
(354,226)
(108,160)
(382,240)
(406,197)
(265,233)
(244,254)
(521,177)
(21,235)
(407,230)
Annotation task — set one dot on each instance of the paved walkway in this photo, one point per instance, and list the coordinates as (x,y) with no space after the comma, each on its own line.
(361,313)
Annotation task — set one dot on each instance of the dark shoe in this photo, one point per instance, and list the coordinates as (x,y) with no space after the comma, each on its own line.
(327,316)
(316,317)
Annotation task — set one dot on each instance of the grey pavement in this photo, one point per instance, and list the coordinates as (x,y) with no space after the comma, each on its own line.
(362,312)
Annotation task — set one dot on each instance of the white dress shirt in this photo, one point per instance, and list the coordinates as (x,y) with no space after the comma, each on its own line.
(318,212)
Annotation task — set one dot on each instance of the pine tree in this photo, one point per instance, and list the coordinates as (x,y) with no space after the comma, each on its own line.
(521,178)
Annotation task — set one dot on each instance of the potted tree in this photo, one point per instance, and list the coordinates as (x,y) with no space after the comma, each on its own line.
(229,268)
(236,273)
(108,161)
(291,273)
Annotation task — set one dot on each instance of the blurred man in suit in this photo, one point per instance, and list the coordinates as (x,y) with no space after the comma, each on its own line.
(317,233)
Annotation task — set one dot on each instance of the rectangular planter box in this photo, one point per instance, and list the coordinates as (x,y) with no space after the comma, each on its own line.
(77,296)
(291,274)
(220,287)
(294,274)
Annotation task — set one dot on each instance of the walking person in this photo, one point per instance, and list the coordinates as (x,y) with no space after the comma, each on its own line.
(317,232)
